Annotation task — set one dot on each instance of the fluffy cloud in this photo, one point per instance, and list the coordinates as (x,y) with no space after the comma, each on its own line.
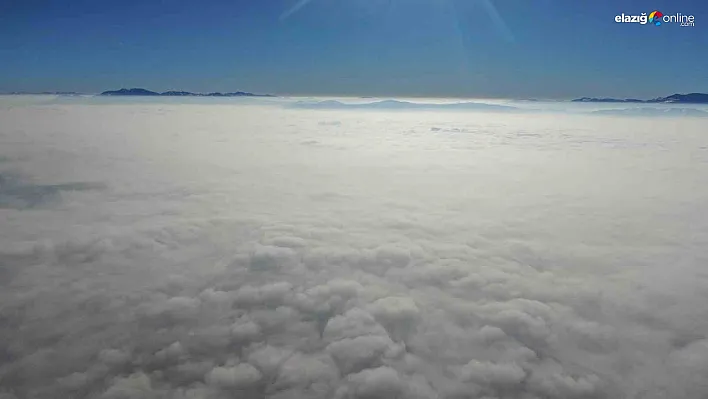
(268,359)
(172,310)
(244,330)
(113,357)
(272,294)
(209,340)
(134,386)
(559,385)
(509,374)
(356,354)
(268,257)
(382,382)
(354,323)
(306,376)
(172,353)
(398,314)
(240,376)
(405,255)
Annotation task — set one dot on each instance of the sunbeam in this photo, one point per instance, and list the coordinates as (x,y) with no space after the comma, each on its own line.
(292,10)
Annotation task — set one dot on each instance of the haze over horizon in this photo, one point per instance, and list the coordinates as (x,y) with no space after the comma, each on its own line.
(416,48)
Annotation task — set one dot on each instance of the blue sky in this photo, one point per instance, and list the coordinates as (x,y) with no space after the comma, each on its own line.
(466,48)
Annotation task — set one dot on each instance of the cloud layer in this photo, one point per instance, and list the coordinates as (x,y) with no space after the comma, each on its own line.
(441,255)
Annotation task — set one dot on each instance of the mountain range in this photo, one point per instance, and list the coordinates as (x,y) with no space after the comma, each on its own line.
(691,98)
(144,92)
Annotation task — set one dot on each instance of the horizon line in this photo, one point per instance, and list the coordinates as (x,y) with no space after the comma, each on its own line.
(275,94)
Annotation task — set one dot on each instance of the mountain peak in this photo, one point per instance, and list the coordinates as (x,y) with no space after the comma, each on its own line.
(175,93)
(130,92)
(690,98)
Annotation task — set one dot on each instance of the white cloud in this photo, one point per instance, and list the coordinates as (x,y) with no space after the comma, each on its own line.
(244,330)
(509,374)
(316,373)
(564,386)
(490,334)
(267,257)
(288,242)
(354,323)
(275,292)
(74,381)
(339,287)
(134,386)
(382,382)
(216,297)
(268,359)
(209,340)
(356,354)
(392,256)
(172,353)
(398,314)
(395,309)
(113,357)
(189,372)
(407,254)
(199,392)
(173,309)
(240,376)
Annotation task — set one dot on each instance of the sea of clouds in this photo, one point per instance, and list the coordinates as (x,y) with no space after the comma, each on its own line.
(248,250)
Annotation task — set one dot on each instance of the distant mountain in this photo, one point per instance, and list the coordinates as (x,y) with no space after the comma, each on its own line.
(691,98)
(130,92)
(606,100)
(236,94)
(176,93)
(144,92)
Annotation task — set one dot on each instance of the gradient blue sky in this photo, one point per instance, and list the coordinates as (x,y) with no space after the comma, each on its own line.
(528,48)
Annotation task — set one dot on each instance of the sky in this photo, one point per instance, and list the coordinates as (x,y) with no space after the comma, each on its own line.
(428,48)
